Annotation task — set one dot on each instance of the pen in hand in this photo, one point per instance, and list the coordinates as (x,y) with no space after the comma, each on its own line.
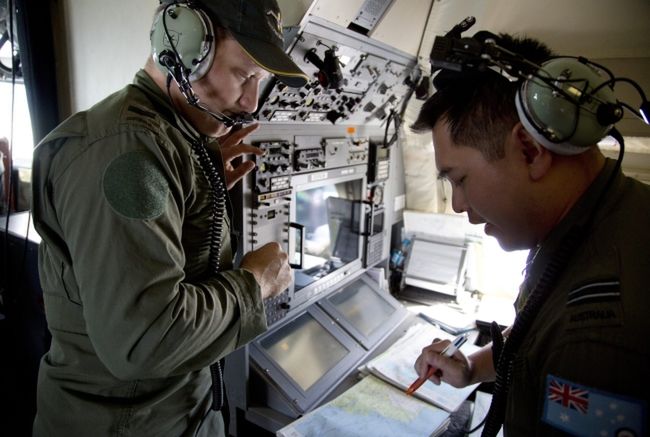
(447,352)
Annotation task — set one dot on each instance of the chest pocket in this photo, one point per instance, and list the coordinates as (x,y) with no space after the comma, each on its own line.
(70,284)
(63,306)
(58,278)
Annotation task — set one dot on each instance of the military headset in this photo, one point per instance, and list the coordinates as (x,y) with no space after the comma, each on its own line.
(182,39)
(567,103)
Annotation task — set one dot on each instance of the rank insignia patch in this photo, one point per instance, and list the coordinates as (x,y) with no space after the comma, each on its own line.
(585,411)
(600,291)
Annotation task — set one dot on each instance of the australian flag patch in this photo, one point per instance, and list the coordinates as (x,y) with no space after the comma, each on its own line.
(584,411)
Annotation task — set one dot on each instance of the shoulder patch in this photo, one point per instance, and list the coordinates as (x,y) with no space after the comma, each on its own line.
(598,291)
(581,410)
(135,187)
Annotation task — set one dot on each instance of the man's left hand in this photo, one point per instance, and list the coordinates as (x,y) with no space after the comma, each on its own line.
(232,147)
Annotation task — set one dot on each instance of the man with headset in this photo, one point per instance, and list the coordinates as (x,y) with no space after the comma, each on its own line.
(576,359)
(136,266)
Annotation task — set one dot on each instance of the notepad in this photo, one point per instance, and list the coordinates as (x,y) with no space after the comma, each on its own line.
(395,366)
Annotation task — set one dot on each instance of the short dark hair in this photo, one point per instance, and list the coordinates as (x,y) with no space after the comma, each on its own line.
(479,106)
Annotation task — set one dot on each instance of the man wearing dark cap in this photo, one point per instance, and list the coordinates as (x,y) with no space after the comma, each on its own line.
(131,200)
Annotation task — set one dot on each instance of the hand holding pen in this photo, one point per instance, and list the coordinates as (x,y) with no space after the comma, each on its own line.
(447,352)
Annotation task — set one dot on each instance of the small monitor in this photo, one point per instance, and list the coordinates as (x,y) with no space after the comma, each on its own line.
(331,217)
(435,266)
(365,311)
(306,357)
(304,350)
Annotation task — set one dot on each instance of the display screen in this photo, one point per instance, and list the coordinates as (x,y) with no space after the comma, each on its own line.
(304,350)
(362,307)
(331,216)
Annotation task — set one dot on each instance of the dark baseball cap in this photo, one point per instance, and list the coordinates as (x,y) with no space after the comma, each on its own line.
(257,27)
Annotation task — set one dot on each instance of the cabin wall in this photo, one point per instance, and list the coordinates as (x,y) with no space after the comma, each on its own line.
(107,42)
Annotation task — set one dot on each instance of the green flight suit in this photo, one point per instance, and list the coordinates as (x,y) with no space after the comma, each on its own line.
(588,342)
(136,316)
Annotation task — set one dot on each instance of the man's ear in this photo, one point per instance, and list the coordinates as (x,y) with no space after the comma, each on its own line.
(537,157)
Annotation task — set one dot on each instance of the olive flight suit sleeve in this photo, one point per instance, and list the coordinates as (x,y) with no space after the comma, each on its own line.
(121,204)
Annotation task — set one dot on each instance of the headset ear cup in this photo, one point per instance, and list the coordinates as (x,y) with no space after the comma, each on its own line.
(568,104)
(541,132)
(187,33)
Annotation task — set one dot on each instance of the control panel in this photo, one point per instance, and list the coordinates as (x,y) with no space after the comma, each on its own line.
(352,82)
(282,159)
(278,170)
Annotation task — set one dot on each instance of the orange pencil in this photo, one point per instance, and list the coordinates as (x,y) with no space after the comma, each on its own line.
(448,352)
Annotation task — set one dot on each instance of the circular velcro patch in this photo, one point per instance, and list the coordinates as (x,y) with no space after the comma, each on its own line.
(135,187)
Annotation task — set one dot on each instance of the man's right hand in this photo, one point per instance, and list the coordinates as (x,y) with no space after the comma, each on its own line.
(458,370)
(454,370)
(270,266)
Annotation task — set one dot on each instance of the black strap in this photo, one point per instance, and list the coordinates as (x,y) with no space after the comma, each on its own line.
(220,203)
(497,343)
(219,209)
(218,389)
